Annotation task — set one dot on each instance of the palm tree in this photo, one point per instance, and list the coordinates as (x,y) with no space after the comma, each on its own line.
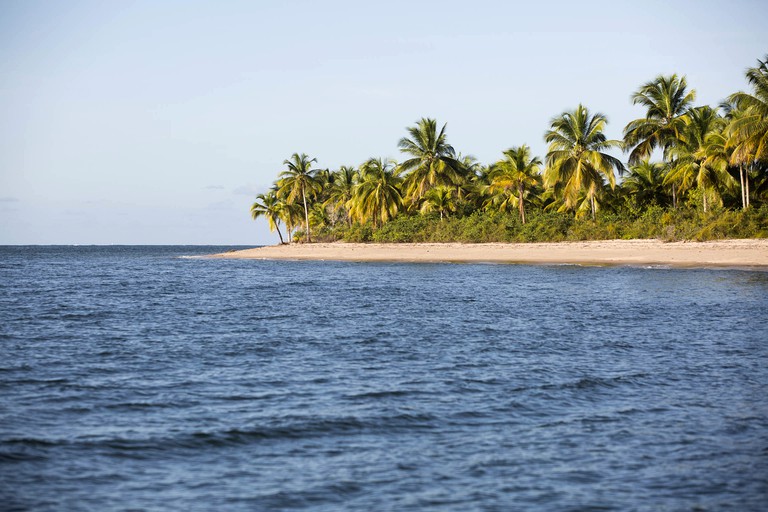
(319,216)
(267,205)
(340,193)
(645,183)
(748,130)
(516,174)
(377,195)
(696,160)
(750,133)
(299,180)
(433,160)
(733,116)
(667,101)
(292,214)
(439,199)
(469,167)
(575,158)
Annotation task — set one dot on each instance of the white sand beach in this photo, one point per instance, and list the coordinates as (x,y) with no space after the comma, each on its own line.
(719,253)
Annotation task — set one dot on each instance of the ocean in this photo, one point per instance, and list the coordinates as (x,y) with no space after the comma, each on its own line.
(143,378)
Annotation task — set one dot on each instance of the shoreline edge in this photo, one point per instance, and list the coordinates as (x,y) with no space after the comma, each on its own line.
(715,253)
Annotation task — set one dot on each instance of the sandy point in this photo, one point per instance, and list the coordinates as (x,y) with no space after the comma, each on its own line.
(717,253)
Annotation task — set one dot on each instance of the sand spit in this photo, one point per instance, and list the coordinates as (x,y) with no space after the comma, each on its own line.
(719,253)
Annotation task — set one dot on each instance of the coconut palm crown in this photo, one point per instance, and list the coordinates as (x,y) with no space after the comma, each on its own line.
(513,176)
(576,160)
(269,206)
(667,101)
(749,131)
(694,164)
(377,195)
(433,161)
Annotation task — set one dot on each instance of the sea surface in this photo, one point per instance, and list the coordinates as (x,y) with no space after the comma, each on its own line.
(138,378)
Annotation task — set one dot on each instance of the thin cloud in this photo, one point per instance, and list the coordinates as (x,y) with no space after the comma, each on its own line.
(214,187)
(9,199)
(245,190)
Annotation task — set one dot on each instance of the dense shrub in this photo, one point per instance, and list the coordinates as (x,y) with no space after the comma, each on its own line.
(358,233)
(546,226)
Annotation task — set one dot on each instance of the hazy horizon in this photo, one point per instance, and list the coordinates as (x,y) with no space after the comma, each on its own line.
(158,123)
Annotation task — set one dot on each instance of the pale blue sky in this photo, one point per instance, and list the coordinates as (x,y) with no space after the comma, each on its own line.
(157,122)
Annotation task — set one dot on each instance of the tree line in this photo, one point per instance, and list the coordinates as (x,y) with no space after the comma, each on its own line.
(710,158)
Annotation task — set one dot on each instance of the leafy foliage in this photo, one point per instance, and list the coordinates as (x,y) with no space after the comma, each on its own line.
(711,182)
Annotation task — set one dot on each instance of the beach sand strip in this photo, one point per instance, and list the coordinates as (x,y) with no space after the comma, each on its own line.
(719,253)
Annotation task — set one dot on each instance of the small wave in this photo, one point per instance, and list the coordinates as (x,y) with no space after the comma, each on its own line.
(43,382)
(597,382)
(474,415)
(147,447)
(31,442)
(19,456)
(248,398)
(379,394)
(139,406)
(80,316)
(331,492)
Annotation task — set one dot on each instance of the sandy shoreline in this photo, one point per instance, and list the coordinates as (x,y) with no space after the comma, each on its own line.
(720,253)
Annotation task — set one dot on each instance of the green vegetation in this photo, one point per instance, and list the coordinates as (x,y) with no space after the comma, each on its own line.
(711,181)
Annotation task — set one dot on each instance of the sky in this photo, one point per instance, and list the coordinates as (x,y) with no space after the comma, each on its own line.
(158,122)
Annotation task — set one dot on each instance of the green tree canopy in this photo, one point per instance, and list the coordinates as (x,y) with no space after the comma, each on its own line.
(512,177)
(299,181)
(377,195)
(267,205)
(667,100)
(576,160)
(433,161)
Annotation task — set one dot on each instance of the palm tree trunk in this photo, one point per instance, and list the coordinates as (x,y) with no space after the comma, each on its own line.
(704,197)
(746,181)
(520,202)
(592,202)
(277,226)
(743,196)
(306,214)
(674,197)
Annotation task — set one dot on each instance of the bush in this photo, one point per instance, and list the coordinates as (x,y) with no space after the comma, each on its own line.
(545,226)
(358,233)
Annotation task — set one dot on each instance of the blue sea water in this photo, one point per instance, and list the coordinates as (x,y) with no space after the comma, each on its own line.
(132,378)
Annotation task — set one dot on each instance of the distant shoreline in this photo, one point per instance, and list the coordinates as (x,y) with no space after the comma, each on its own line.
(716,253)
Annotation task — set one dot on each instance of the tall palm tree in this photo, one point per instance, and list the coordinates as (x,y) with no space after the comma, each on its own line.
(433,161)
(268,205)
(515,175)
(748,130)
(695,160)
(377,195)
(667,102)
(439,199)
(575,157)
(340,193)
(733,116)
(299,180)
